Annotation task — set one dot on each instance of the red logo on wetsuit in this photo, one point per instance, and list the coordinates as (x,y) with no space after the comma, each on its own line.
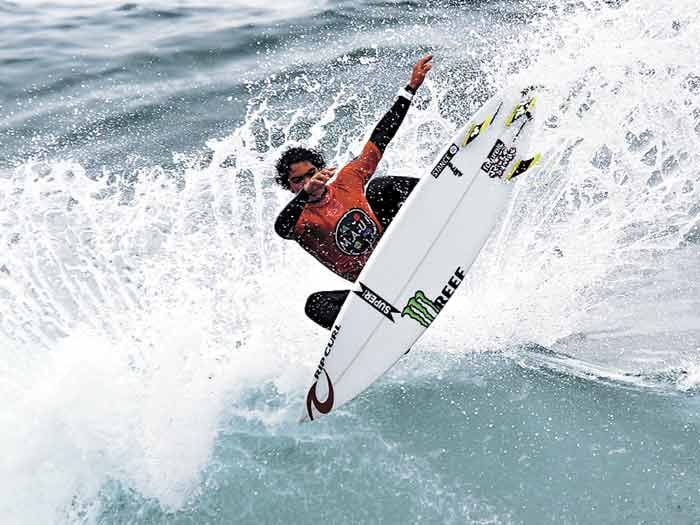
(356,233)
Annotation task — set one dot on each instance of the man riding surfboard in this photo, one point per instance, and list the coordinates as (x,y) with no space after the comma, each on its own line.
(340,222)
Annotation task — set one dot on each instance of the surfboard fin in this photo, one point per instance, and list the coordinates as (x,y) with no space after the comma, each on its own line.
(521,109)
(521,166)
(477,129)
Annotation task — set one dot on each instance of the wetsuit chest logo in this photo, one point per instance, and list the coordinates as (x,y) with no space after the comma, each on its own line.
(356,233)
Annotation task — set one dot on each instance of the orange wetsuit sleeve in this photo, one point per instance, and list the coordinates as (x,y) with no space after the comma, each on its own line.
(359,170)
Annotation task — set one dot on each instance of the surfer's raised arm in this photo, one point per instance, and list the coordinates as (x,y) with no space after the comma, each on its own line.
(360,169)
(391,121)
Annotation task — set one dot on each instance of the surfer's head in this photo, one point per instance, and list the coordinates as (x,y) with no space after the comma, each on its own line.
(295,164)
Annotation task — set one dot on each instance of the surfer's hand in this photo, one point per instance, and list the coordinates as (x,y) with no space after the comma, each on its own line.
(316,184)
(419,71)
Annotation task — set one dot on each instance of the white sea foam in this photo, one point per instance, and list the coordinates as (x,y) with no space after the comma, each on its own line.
(135,315)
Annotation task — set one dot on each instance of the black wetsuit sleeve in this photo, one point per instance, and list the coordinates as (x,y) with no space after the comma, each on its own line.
(389,124)
(288,217)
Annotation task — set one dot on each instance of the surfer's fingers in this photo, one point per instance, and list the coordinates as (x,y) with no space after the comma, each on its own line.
(422,67)
(423,61)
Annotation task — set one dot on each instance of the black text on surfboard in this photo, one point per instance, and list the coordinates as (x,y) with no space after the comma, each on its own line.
(323,407)
(424,310)
(327,352)
(375,301)
(498,160)
(445,161)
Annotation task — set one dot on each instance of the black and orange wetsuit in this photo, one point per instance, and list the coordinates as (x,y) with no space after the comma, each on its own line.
(343,227)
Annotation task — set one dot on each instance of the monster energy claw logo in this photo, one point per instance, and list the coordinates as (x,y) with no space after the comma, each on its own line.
(424,310)
(421,309)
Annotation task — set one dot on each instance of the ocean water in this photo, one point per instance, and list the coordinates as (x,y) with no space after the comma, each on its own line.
(154,353)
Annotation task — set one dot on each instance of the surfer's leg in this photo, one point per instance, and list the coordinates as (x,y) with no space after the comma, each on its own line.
(323,307)
(386,195)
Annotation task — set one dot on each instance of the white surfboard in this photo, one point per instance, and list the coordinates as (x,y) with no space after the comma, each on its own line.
(426,251)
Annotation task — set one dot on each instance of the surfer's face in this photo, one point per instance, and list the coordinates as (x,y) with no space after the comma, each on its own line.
(299,172)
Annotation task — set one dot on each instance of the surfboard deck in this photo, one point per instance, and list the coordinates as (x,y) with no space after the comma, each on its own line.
(427,250)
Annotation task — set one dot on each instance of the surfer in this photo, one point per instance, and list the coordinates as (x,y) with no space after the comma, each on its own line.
(340,222)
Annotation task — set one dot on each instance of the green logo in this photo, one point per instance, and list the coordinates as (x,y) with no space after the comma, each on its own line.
(424,310)
(421,309)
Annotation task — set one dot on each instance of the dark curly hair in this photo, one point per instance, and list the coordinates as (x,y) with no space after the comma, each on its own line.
(292,156)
